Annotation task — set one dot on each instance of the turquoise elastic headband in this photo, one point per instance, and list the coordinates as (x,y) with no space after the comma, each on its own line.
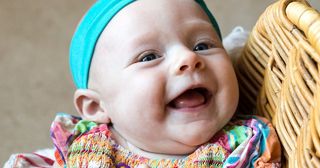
(88,32)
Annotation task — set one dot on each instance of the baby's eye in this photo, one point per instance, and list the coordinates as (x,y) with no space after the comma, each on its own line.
(201,47)
(149,57)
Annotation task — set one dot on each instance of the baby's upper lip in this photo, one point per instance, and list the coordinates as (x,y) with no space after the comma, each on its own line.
(189,87)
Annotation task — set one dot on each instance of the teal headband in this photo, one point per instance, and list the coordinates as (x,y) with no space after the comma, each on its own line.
(89,30)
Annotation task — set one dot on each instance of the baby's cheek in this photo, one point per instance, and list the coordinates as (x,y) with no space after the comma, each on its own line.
(229,92)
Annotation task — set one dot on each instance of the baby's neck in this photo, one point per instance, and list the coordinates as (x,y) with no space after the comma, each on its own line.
(127,145)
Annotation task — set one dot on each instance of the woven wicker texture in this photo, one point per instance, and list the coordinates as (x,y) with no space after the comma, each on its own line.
(279,76)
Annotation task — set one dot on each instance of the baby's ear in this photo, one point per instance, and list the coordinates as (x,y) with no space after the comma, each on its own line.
(90,106)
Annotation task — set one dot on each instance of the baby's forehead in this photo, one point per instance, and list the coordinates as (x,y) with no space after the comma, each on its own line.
(146,10)
(149,18)
(97,19)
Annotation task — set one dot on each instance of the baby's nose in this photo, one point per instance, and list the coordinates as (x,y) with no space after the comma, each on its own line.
(189,61)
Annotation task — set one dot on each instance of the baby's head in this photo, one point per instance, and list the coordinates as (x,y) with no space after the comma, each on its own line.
(158,73)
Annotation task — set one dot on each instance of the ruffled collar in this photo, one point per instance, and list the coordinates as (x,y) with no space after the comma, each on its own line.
(241,142)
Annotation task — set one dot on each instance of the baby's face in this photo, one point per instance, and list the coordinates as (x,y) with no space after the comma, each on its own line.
(163,76)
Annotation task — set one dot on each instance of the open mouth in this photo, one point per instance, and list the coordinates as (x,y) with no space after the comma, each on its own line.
(191,98)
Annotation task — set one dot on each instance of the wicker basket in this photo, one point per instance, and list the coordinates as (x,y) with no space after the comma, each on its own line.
(279,76)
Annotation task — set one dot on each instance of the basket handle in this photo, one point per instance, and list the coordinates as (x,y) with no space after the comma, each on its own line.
(306,19)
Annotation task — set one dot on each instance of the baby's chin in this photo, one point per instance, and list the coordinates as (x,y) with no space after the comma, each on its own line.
(185,147)
(191,134)
(197,139)
(189,141)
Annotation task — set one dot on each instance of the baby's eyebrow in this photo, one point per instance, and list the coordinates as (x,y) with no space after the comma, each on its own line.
(199,25)
(140,42)
(197,28)
(142,38)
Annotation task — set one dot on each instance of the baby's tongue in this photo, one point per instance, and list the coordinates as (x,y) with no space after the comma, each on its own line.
(189,99)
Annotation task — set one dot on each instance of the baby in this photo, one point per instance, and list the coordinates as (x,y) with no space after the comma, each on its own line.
(156,88)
